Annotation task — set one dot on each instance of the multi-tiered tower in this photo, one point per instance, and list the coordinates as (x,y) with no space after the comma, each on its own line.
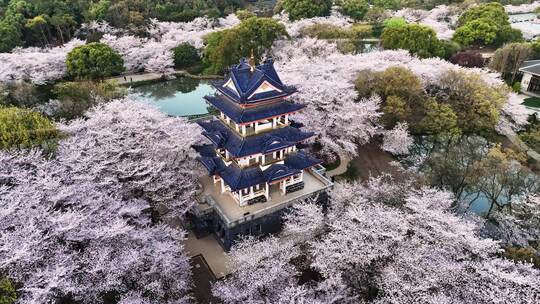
(253,156)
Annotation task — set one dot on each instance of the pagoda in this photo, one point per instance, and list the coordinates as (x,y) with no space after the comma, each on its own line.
(253,158)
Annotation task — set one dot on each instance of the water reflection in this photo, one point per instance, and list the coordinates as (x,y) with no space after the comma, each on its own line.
(179,97)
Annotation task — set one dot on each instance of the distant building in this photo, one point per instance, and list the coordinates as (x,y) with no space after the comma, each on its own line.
(255,167)
(530,83)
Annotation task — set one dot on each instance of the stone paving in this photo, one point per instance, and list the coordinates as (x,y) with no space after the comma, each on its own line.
(216,258)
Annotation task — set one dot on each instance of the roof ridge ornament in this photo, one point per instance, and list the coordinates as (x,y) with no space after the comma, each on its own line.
(252,61)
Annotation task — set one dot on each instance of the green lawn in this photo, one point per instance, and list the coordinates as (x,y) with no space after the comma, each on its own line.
(532,102)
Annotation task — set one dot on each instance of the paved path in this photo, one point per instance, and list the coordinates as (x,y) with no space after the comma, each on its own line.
(342,168)
(212,252)
(134,78)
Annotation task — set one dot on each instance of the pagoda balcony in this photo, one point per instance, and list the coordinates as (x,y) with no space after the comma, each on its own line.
(227,208)
(258,127)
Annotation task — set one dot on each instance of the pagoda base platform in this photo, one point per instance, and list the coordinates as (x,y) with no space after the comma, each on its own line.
(219,213)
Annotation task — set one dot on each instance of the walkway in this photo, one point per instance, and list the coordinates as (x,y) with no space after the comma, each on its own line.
(134,78)
(140,77)
(342,168)
(212,252)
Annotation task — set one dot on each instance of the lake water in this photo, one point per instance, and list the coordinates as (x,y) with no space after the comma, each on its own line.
(178,97)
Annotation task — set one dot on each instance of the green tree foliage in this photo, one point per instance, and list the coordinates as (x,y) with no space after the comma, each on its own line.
(417,39)
(463,103)
(395,22)
(395,110)
(531,136)
(74,98)
(485,24)
(244,14)
(387,4)
(439,119)
(475,102)
(8,294)
(185,55)
(508,59)
(22,128)
(356,9)
(330,31)
(300,9)
(226,47)
(32,22)
(94,60)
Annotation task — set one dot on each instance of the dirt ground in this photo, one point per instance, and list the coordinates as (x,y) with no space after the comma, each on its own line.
(372,161)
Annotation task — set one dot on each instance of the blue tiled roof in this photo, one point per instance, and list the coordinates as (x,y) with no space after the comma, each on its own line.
(205,150)
(213,164)
(243,115)
(301,160)
(247,82)
(223,137)
(278,171)
(237,178)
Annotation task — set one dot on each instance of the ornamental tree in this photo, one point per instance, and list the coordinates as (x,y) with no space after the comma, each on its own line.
(86,225)
(301,9)
(355,9)
(485,24)
(94,60)
(417,39)
(401,244)
(398,140)
(185,55)
(254,34)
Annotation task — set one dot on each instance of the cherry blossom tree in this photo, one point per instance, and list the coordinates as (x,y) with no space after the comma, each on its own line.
(325,81)
(441,18)
(398,140)
(382,242)
(81,225)
(36,65)
(134,144)
(154,54)
(522,8)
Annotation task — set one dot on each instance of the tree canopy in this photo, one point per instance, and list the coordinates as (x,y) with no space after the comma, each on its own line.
(300,9)
(355,9)
(94,60)
(485,24)
(417,39)
(22,128)
(185,55)
(254,34)
(29,23)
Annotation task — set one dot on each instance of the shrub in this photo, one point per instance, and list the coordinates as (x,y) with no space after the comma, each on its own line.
(94,60)
(394,22)
(23,128)
(516,87)
(185,55)
(8,294)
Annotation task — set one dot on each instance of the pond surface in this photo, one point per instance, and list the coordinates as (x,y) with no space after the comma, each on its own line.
(178,97)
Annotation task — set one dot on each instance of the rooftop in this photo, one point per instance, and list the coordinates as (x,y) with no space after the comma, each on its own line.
(240,178)
(248,85)
(232,214)
(223,137)
(245,115)
(531,66)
